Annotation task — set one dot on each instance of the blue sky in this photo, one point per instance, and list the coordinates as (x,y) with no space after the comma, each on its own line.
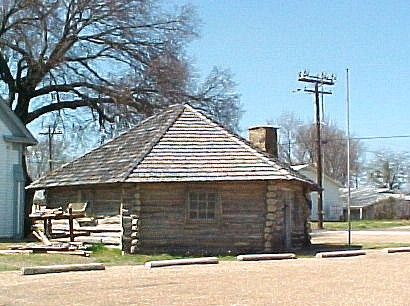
(266,43)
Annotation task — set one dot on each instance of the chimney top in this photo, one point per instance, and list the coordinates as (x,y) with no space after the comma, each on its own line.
(267,126)
(264,137)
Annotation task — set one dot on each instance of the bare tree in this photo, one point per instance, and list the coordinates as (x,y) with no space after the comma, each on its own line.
(389,169)
(217,96)
(298,145)
(104,59)
(288,124)
(95,53)
(38,156)
(333,148)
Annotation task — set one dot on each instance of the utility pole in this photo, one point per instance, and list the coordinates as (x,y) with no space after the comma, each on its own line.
(51,131)
(349,226)
(289,148)
(319,80)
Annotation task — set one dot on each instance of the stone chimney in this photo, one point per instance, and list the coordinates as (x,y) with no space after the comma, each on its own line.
(265,138)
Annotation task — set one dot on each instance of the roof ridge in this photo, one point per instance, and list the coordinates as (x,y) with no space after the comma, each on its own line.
(155,141)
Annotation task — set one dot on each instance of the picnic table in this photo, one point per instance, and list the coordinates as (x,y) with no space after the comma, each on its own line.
(54,214)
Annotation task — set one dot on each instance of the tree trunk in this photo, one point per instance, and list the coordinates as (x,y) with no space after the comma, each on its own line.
(29,197)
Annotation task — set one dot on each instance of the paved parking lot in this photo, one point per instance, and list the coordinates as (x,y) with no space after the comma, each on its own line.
(400,235)
(375,279)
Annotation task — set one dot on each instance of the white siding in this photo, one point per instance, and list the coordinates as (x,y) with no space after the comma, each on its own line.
(8,157)
(332,202)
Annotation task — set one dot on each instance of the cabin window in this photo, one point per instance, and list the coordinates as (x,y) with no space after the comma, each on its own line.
(202,206)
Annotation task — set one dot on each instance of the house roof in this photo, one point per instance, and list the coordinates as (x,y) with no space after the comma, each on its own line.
(20,133)
(179,144)
(308,167)
(367,196)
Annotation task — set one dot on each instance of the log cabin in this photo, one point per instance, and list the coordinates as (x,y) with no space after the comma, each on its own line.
(183,183)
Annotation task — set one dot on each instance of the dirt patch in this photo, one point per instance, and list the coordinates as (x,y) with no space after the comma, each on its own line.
(375,279)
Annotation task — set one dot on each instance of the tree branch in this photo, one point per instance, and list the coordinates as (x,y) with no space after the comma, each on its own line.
(7,77)
(89,102)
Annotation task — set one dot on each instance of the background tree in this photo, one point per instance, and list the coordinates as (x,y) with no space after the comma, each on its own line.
(389,169)
(105,61)
(289,125)
(38,156)
(333,148)
(302,148)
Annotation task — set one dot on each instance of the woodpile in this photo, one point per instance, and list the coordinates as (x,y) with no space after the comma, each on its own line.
(47,211)
(47,247)
(105,231)
(55,248)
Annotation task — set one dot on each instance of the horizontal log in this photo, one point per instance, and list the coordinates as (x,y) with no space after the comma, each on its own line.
(195,244)
(176,262)
(78,252)
(256,257)
(15,252)
(397,250)
(44,248)
(106,234)
(92,229)
(340,254)
(61,268)
(103,240)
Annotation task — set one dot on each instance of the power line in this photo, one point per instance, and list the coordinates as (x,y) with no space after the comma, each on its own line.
(324,141)
(381,137)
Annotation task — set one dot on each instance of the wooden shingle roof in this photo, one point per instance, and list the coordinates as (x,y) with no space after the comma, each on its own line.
(179,144)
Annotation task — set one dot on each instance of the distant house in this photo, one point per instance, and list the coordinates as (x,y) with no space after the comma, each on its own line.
(378,203)
(333,204)
(14,138)
(181,182)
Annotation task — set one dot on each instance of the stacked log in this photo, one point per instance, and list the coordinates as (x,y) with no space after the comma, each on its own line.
(105,231)
(131,208)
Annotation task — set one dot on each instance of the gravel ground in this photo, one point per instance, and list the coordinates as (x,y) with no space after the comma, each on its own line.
(375,279)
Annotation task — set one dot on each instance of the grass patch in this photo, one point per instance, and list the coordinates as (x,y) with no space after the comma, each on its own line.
(114,257)
(102,254)
(16,262)
(362,224)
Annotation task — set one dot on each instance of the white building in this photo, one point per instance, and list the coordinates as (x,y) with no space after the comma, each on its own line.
(14,138)
(333,203)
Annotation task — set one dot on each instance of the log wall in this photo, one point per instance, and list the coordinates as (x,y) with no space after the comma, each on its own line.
(239,223)
(250,215)
(104,200)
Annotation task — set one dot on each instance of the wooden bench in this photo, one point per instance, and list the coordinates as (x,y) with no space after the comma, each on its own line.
(77,208)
